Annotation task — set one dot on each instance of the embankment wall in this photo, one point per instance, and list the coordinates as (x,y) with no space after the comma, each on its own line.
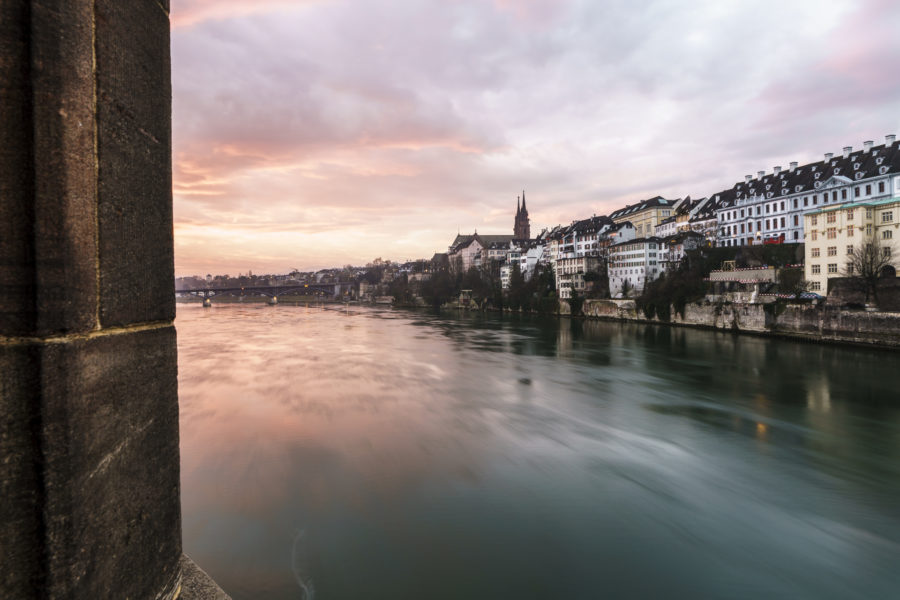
(814,323)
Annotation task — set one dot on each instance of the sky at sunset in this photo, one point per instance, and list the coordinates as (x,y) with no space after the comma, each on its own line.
(317,133)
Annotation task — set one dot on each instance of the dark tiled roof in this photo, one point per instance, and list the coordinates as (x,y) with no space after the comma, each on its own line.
(638,241)
(857,165)
(655,202)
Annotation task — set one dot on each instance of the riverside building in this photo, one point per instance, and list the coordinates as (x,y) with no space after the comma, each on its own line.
(833,233)
(632,264)
(770,207)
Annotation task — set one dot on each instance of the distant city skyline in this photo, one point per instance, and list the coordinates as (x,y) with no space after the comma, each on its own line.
(315,133)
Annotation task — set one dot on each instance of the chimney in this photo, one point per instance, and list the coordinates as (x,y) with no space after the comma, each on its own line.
(867,145)
(829,155)
(847,151)
(777,169)
(793,166)
(759,174)
(889,139)
(747,178)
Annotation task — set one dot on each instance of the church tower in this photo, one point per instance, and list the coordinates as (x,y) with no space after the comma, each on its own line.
(522,225)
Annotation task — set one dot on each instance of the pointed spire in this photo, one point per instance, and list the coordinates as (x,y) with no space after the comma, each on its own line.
(518,208)
(524,210)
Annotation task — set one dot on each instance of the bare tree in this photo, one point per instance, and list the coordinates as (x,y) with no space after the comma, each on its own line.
(865,265)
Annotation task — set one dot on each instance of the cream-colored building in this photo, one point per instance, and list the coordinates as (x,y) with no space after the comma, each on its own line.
(646,215)
(831,233)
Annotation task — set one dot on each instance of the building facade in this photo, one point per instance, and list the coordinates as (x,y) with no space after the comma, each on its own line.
(834,233)
(632,264)
(770,207)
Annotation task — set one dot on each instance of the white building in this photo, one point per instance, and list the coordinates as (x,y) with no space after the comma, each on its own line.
(771,206)
(673,249)
(570,274)
(634,263)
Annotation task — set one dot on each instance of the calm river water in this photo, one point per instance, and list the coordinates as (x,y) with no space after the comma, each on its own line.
(338,453)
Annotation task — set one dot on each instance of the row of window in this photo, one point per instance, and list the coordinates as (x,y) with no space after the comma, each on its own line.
(776,206)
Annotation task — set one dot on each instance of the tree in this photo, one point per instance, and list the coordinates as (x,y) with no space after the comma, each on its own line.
(865,265)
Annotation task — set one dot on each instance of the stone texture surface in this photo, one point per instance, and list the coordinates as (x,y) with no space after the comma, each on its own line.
(197,585)
(21,485)
(135,185)
(89,465)
(110,451)
(47,253)
(90,446)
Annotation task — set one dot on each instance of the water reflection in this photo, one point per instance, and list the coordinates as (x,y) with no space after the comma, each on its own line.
(376,453)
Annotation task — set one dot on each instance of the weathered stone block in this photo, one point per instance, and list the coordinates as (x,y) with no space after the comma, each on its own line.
(47,169)
(110,451)
(21,483)
(89,474)
(135,173)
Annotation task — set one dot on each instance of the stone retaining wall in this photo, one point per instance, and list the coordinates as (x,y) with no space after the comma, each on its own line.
(816,323)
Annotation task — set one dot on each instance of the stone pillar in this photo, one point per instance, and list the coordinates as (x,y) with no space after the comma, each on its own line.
(89,466)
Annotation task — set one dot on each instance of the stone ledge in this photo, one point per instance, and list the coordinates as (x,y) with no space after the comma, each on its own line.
(196,584)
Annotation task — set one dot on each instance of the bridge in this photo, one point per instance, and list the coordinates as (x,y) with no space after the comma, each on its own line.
(332,290)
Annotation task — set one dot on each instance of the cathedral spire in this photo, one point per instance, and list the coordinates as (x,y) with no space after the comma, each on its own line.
(524,210)
(518,208)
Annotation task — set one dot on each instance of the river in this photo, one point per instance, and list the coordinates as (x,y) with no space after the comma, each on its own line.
(350,452)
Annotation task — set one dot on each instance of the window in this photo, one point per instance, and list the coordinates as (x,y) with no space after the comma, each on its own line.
(768,207)
(813,235)
(868,189)
(832,268)
(887,216)
(796,221)
(834,195)
(831,217)
(849,230)
(869,229)
(887,234)
(758,209)
(815,286)
(832,250)
(831,233)
(814,220)
(814,253)
(850,212)
(806,202)
(843,194)
(880,187)
(782,222)
(795,203)
(815,269)
(742,213)
(768,225)
(849,250)
(815,200)
(849,268)
(759,225)
(868,213)
(782,205)
(856,192)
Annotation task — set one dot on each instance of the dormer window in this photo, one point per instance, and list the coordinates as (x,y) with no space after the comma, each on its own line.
(818,175)
(837,170)
(798,188)
(769,195)
(879,160)
(818,184)
(882,170)
(814,168)
(834,162)
(768,186)
(855,166)
(859,175)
